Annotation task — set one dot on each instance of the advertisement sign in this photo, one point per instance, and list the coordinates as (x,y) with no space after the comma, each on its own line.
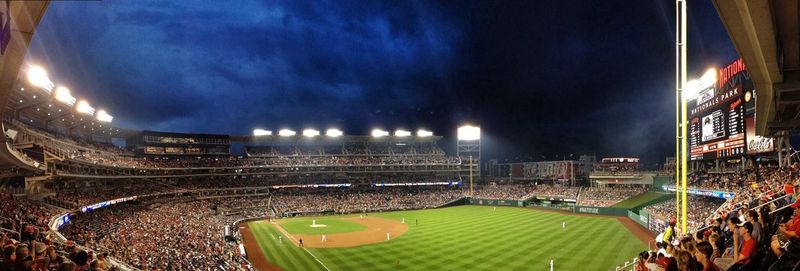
(702,192)
(755,144)
(458,183)
(89,208)
(332,185)
(62,220)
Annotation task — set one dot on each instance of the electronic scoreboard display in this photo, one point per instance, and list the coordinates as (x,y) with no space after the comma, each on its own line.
(716,117)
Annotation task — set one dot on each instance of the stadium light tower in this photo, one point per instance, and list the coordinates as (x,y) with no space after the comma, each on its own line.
(38,77)
(424,133)
(468,149)
(103,116)
(334,133)
(402,133)
(286,132)
(63,95)
(84,107)
(379,133)
(310,133)
(261,132)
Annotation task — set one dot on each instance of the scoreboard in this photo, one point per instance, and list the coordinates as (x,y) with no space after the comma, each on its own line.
(717,116)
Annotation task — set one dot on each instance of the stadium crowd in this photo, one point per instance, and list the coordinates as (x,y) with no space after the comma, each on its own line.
(176,236)
(507,192)
(757,229)
(607,196)
(546,190)
(700,209)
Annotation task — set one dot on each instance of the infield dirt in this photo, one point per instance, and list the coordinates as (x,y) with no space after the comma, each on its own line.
(376,231)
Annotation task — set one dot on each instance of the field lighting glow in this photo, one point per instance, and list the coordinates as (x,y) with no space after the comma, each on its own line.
(468,132)
(424,133)
(103,116)
(334,133)
(37,76)
(84,107)
(310,133)
(286,132)
(402,133)
(261,132)
(63,95)
(693,87)
(379,133)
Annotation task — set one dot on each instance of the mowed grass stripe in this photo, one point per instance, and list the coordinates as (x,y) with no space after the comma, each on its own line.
(271,250)
(292,257)
(480,238)
(278,254)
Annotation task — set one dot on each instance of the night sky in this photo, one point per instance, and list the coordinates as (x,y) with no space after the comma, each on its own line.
(542,78)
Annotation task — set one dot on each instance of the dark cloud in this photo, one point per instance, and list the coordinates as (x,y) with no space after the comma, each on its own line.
(541,78)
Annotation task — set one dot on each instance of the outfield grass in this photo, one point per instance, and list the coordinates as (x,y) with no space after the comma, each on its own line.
(639,200)
(332,225)
(472,238)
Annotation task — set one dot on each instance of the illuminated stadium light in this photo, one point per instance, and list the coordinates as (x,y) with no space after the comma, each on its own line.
(709,78)
(424,133)
(310,133)
(84,107)
(286,132)
(468,132)
(379,133)
(37,76)
(334,133)
(63,95)
(402,133)
(261,132)
(694,87)
(103,116)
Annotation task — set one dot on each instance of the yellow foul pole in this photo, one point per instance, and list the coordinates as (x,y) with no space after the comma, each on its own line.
(684,116)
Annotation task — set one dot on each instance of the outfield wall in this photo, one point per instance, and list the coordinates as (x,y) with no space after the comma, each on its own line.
(600,210)
(495,202)
(575,209)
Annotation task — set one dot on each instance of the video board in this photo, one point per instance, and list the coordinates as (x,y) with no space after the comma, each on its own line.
(717,115)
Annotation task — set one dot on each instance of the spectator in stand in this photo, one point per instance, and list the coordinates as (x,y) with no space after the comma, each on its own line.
(704,254)
(787,232)
(745,250)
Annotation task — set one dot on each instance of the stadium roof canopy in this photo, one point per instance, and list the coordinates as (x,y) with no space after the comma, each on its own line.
(24,17)
(766,33)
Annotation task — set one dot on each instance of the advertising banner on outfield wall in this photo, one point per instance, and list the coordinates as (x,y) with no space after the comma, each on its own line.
(601,210)
(496,202)
(641,219)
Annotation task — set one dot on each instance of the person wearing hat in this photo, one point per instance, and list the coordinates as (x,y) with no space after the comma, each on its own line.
(669,233)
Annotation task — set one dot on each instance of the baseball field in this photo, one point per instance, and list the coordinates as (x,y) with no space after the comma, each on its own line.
(455,238)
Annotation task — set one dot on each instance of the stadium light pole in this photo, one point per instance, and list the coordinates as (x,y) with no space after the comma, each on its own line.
(468,147)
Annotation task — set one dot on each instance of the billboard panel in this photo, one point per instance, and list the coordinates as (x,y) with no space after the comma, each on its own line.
(755,144)
(717,116)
